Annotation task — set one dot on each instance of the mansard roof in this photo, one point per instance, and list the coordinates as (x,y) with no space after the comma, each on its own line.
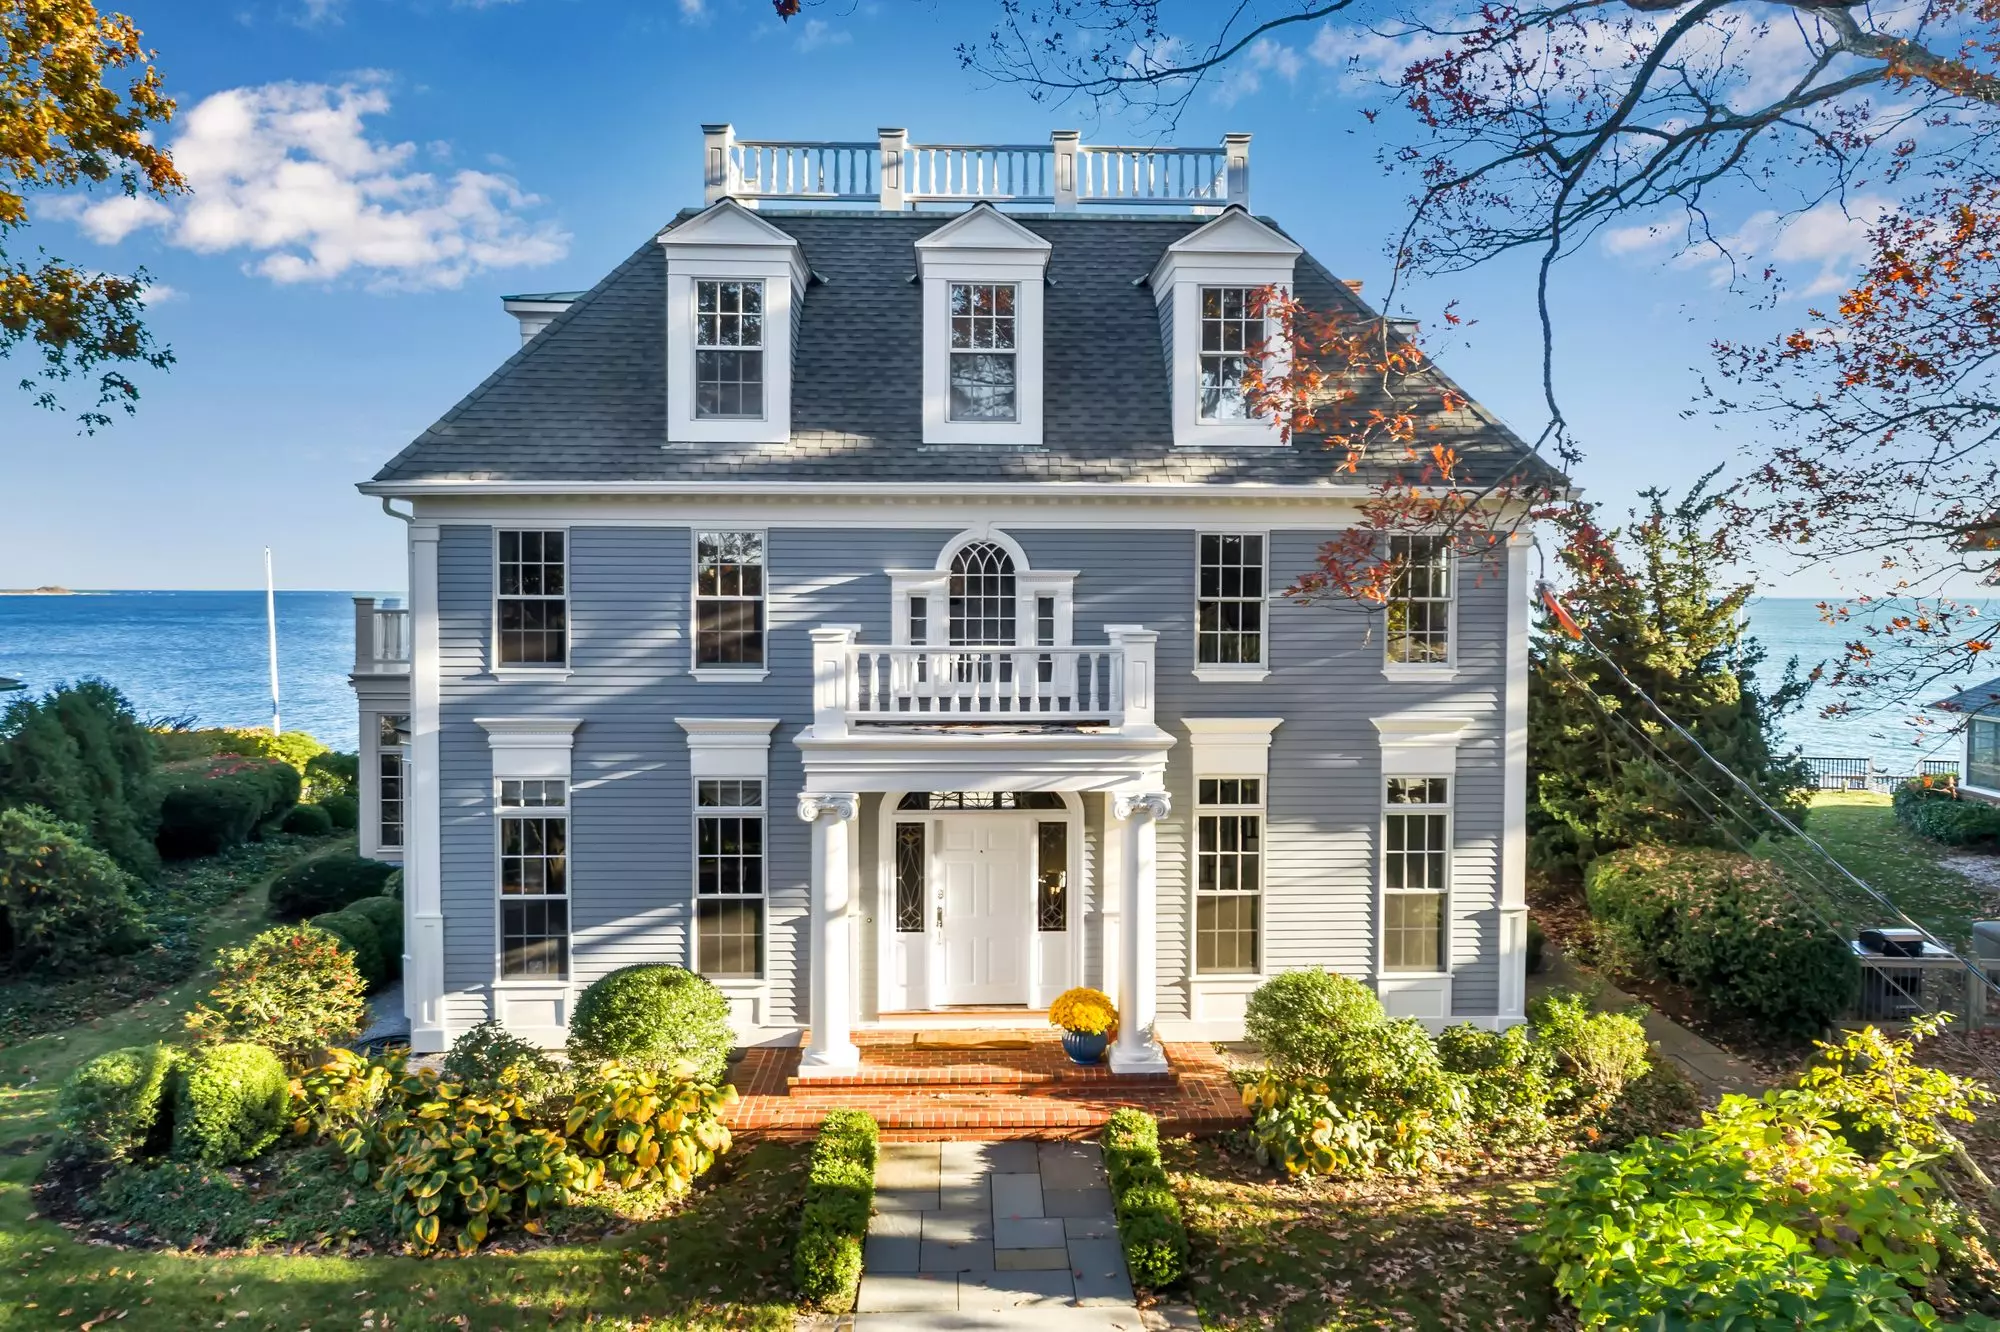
(585,401)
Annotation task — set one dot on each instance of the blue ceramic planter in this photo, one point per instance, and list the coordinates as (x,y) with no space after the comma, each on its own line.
(1083,1047)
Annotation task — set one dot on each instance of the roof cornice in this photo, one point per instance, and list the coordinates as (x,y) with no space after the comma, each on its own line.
(1247,491)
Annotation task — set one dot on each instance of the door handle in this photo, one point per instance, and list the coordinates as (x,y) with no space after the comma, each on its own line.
(940,917)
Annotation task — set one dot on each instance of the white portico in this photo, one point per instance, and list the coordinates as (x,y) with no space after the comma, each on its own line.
(987,763)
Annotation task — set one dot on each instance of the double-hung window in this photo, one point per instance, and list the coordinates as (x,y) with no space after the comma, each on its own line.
(729,878)
(1982,754)
(1416,872)
(985,365)
(1229,609)
(728,350)
(729,600)
(1229,873)
(534,599)
(392,739)
(1231,330)
(534,879)
(1419,609)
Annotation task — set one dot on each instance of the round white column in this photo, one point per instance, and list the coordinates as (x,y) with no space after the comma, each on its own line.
(829,1045)
(1138,934)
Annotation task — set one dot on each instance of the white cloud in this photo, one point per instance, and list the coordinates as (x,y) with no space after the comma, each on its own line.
(818,32)
(1264,56)
(694,11)
(288,173)
(1828,242)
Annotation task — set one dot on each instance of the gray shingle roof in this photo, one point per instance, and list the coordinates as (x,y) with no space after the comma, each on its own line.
(585,400)
(1976,699)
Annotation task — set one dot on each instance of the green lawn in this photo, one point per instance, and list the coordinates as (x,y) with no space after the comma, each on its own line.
(1341,1255)
(722,1261)
(1860,831)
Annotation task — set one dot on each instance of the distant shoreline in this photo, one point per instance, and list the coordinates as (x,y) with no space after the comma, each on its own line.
(37,592)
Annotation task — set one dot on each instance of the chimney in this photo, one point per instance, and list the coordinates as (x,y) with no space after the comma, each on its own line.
(537,310)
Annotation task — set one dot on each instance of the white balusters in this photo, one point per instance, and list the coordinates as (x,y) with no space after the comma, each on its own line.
(919,684)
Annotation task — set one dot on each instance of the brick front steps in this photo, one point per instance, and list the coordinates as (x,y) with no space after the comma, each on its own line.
(929,1094)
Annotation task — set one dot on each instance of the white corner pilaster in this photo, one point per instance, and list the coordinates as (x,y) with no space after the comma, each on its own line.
(1513,996)
(1136,1051)
(830,1048)
(423,865)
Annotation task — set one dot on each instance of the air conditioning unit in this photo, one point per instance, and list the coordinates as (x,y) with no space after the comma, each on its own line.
(1891,993)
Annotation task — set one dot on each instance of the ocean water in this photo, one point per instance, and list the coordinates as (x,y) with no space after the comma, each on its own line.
(204,653)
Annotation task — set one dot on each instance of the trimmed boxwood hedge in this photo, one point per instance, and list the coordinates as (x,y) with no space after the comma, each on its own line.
(386,915)
(654,1016)
(840,1194)
(208,805)
(307,821)
(1935,811)
(111,1107)
(326,883)
(1730,927)
(1149,1216)
(344,810)
(358,932)
(231,1103)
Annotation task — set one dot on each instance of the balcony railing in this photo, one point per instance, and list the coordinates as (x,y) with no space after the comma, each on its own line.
(869,686)
(381,638)
(893,173)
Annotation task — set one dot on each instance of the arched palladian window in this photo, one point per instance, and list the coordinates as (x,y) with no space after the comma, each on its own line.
(982,596)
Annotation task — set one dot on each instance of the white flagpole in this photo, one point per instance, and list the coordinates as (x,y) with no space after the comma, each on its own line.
(271,624)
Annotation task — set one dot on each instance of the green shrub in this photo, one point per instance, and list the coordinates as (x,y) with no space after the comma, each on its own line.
(326,883)
(1538,945)
(64,905)
(357,931)
(79,752)
(490,1056)
(461,1164)
(386,915)
(840,1193)
(111,1107)
(311,1200)
(1935,811)
(209,804)
(1511,1081)
(392,887)
(230,1103)
(293,988)
(177,1202)
(1596,1054)
(1150,1226)
(332,774)
(637,1128)
(1307,1022)
(344,810)
(653,1016)
(306,821)
(1730,927)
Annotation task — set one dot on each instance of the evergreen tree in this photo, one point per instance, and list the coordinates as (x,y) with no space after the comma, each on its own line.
(81,753)
(1656,598)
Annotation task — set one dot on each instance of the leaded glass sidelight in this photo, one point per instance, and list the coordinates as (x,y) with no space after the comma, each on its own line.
(1052,877)
(909,878)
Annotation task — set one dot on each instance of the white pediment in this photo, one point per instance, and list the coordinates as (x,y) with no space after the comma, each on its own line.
(982,234)
(728,223)
(1234,239)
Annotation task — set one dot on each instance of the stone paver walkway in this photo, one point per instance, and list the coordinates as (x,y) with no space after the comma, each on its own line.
(994,1235)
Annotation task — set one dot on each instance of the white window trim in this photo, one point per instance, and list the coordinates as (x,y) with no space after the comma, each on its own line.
(763,349)
(1240,672)
(726,674)
(1417,745)
(935,584)
(532,670)
(532,749)
(1965,758)
(728,242)
(1235,250)
(1434,671)
(1229,747)
(982,245)
(729,747)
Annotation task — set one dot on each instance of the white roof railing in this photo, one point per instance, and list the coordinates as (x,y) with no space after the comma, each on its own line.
(894,174)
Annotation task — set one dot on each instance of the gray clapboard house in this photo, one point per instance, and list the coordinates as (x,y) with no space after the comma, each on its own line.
(869,595)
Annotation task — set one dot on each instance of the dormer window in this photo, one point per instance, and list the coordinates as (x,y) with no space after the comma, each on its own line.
(985,367)
(1229,330)
(728,350)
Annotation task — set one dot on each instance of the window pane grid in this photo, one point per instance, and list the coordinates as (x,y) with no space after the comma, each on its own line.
(729,599)
(533,599)
(1229,856)
(534,880)
(1229,331)
(729,356)
(1982,766)
(984,384)
(1419,609)
(389,799)
(1229,610)
(729,877)
(1416,872)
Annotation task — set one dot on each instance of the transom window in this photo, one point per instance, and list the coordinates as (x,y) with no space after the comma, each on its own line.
(1416,872)
(1230,330)
(534,599)
(728,349)
(1229,878)
(1419,609)
(729,878)
(980,800)
(534,879)
(729,599)
(1229,611)
(985,365)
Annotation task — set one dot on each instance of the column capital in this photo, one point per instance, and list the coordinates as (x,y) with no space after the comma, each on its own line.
(842,805)
(1153,804)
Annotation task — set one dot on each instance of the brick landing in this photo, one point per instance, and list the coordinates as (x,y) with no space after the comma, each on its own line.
(929,1094)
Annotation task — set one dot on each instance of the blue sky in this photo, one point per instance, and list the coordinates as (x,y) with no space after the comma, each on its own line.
(531,145)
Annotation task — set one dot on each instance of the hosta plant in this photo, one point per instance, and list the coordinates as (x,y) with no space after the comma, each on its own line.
(343,1096)
(635,1127)
(1303,1130)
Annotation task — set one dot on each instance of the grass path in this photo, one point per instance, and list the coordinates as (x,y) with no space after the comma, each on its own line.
(684,1272)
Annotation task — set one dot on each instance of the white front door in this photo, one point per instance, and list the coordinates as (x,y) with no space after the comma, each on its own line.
(985,896)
